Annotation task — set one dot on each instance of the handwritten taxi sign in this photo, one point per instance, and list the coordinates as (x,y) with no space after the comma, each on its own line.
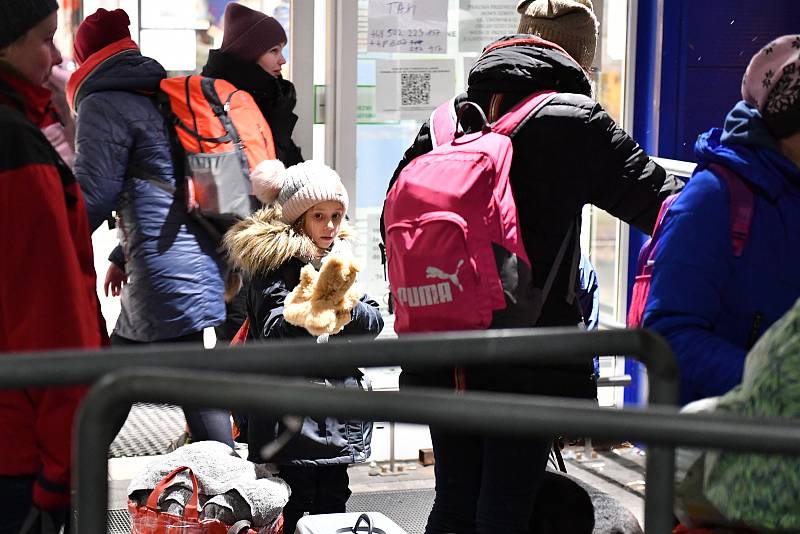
(412,26)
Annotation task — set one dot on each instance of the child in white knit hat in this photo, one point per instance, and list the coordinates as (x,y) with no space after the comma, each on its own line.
(280,248)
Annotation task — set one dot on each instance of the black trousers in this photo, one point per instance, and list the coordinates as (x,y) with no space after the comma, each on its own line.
(315,490)
(17,499)
(485,484)
(204,424)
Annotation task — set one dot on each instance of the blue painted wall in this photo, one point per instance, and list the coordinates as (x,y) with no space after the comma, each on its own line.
(706,47)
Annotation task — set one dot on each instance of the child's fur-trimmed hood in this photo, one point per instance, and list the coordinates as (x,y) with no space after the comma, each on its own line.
(262,242)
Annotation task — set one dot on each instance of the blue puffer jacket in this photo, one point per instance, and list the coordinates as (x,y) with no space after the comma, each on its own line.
(710,306)
(175,284)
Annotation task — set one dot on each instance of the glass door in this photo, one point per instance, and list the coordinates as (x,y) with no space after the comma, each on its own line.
(179,34)
(412,55)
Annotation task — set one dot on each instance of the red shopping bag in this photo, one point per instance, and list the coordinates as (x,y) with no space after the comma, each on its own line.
(148,519)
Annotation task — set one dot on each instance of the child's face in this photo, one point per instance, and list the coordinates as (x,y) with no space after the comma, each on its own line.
(321,223)
(34,54)
(272,60)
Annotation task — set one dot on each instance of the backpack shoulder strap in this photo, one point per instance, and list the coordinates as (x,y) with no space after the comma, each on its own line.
(510,123)
(741,206)
(647,254)
(442,123)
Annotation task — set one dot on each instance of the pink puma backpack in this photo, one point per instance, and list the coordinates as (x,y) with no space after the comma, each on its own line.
(453,242)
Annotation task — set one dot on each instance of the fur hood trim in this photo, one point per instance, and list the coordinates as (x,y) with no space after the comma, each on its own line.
(262,242)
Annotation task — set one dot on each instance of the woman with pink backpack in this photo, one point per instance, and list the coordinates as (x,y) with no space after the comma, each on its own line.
(568,153)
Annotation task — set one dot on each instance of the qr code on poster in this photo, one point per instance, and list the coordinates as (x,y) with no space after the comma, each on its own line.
(415,88)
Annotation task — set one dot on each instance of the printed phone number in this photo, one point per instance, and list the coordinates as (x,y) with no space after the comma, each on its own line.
(391,32)
(406,45)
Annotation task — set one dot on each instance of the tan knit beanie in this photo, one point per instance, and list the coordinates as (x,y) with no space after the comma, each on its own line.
(571,24)
(297,188)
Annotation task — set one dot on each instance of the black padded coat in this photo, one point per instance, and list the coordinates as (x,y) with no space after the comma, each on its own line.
(571,153)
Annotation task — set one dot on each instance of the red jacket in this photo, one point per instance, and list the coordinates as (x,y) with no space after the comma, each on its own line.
(48,296)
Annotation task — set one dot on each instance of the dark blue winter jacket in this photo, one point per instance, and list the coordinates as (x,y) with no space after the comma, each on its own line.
(175,284)
(271,255)
(709,305)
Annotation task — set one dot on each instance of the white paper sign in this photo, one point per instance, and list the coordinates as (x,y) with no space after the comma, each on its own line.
(176,50)
(173,14)
(411,89)
(416,26)
(481,22)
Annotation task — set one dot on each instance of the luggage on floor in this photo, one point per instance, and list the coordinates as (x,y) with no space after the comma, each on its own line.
(150,519)
(205,488)
(354,522)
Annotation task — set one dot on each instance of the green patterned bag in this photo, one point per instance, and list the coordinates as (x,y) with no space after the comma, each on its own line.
(762,491)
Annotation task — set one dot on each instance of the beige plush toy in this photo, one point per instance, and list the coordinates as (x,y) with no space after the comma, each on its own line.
(322,301)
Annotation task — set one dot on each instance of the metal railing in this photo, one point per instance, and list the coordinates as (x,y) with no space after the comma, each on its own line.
(299,358)
(497,414)
(302,358)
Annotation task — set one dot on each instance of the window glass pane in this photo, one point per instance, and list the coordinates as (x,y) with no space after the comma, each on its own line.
(611,56)
(177,33)
(609,85)
(398,89)
(406,66)
(604,258)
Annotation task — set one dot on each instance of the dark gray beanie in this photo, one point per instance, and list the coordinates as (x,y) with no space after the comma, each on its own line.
(19,16)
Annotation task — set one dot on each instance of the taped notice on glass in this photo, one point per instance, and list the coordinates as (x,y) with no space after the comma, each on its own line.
(173,15)
(411,89)
(481,22)
(415,26)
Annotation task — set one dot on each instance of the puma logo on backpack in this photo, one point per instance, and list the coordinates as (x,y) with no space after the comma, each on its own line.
(433,272)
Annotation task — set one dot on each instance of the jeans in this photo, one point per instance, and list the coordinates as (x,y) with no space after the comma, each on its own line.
(485,484)
(204,424)
(316,490)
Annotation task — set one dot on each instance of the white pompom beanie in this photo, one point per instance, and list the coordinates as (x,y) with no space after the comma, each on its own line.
(298,188)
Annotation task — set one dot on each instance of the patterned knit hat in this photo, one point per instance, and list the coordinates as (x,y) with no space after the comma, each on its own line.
(571,24)
(772,84)
(249,34)
(19,16)
(298,188)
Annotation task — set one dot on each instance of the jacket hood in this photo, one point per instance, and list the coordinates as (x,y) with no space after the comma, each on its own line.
(746,147)
(117,67)
(528,66)
(262,242)
(744,126)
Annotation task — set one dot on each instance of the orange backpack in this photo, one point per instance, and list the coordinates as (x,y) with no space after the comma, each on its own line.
(223,136)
